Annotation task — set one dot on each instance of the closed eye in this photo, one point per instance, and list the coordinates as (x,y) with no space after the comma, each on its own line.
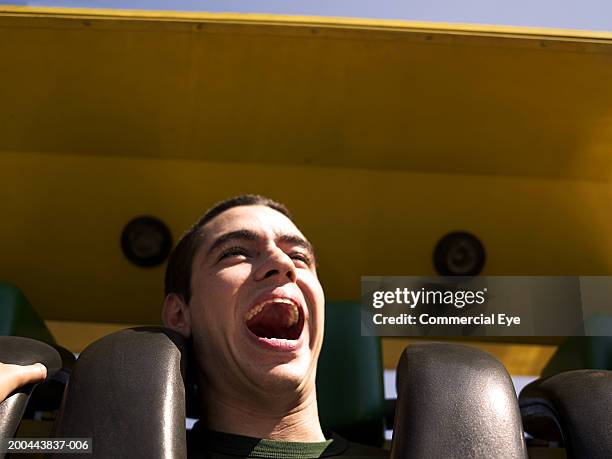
(233,252)
(301,257)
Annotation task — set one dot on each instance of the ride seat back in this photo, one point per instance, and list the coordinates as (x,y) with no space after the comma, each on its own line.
(127,393)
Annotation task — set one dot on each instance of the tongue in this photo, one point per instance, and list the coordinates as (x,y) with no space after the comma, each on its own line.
(271,322)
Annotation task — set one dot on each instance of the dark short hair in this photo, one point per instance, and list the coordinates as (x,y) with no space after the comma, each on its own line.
(178,271)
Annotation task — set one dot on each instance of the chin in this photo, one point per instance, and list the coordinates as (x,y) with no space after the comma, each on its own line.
(286,377)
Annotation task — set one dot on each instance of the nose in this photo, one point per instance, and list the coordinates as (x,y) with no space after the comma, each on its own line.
(276,263)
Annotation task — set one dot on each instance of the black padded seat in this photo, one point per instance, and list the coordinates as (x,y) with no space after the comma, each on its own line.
(26,351)
(572,408)
(127,393)
(455,401)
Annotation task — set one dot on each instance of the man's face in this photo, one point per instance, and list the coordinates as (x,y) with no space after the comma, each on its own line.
(257,306)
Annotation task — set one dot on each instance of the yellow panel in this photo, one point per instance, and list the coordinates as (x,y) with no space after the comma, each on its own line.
(76,336)
(297,91)
(62,217)
(381,136)
(519,359)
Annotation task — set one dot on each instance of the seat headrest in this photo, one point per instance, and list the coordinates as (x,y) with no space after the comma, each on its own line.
(126,392)
(572,407)
(455,401)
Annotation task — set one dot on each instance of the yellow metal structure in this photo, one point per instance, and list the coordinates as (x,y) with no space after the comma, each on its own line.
(382,95)
(381,136)
(519,359)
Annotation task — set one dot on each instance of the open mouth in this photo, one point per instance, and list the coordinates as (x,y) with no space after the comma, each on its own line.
(278,318)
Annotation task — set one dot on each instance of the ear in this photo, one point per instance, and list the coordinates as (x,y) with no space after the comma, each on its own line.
(176,315)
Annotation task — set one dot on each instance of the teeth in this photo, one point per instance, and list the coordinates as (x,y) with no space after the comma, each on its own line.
(281,340)
(292,318)
(254,311)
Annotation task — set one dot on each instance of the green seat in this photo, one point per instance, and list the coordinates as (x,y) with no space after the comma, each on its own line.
(18,317)
(581,353)
(350,387)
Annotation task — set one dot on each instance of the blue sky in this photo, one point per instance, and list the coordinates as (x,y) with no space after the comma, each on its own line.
(585,14)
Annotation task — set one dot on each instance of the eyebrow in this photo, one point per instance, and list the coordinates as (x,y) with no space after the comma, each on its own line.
(244,235)
(296,240)
(248,235)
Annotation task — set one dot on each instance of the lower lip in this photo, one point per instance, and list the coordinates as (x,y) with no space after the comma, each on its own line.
(276,345)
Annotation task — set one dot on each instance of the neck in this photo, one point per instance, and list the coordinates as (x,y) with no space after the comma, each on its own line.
(275,418)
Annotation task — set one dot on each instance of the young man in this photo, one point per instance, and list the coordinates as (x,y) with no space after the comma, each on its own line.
(242,285)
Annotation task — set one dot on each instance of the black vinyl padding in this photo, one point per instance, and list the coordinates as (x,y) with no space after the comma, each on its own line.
(573,407)
(47,396)
(455,401)
(127,393)
(23,351)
